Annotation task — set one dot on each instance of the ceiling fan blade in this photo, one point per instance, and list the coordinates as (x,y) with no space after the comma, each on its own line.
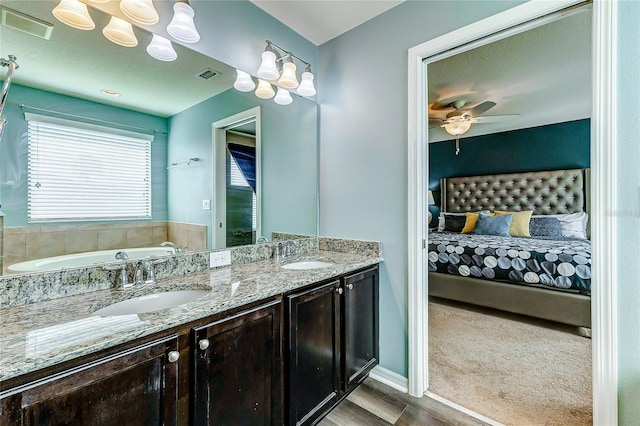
(481,108)
(494,118)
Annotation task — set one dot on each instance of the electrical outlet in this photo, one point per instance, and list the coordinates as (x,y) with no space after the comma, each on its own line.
(219,258)
(206,204)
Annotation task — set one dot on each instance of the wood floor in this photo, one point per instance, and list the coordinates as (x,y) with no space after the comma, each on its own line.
(376,404)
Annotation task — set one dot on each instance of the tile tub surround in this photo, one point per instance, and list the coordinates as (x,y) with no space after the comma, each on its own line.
(38,335)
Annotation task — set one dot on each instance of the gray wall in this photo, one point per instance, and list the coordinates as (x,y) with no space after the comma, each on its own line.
(363,76)
(628,212)
(363,154)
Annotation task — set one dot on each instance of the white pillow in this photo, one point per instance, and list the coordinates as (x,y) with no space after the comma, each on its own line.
(574,225)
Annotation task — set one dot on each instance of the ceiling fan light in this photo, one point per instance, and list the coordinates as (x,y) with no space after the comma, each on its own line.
(264,90)
(288,79)
(306,87)
(244,82)
(182,27)
(268,69)
(120,32)
(457,128)
(140,11)
(283,97)
(75,14)
(161,49)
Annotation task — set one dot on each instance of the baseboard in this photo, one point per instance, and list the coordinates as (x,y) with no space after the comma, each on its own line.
(462,409)
(390,378)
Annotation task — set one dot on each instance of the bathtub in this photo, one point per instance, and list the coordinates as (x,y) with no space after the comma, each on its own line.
(84,259)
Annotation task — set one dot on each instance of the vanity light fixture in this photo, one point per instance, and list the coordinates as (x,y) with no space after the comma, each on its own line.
(74,13)
(120,32)
(264,90)
(161,49)
(140,11)
(279,69)
(244,82)
(283,97)
(182,27)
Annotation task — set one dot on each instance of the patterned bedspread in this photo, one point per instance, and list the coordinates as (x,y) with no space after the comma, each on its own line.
(563,264)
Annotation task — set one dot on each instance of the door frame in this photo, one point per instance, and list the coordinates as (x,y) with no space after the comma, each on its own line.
(603,200)
(219,131)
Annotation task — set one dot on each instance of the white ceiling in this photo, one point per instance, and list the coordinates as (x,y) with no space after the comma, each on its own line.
(543,74)
(321,20)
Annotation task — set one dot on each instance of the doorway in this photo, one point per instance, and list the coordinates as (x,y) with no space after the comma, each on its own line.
(602,130)
(236,179)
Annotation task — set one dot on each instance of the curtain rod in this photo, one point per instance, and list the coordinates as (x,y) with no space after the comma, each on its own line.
(23,106)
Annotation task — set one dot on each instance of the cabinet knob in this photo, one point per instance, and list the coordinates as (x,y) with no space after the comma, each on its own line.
(339,290)
(203,344)
(349,286)
(173,356)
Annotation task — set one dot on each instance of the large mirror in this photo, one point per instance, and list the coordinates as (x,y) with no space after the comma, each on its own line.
(71,75)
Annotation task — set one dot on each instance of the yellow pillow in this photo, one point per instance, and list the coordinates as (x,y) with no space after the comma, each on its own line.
(519,224)
(470,222)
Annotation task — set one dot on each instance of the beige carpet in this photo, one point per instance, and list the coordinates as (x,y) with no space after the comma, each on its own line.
(513,371)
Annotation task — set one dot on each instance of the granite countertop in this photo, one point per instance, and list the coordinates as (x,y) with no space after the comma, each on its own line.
(38,335)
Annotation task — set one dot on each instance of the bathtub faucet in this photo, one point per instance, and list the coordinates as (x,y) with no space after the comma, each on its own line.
(122,255)
(172,245)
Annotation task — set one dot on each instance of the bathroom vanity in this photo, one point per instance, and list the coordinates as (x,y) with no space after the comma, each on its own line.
(265,345)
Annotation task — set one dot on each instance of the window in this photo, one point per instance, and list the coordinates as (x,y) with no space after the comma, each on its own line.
(82,172)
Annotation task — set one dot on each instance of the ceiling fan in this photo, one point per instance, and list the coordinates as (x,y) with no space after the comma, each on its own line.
(459,121)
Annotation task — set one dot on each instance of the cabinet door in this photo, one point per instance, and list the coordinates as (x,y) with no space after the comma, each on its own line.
(237,373)
(314,348)
(135,387)
(360,339)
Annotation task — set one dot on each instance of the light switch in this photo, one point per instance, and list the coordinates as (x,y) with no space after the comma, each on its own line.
(206,204)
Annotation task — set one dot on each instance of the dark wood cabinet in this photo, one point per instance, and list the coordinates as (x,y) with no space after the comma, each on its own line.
(360,328)
(314,352)
(332,343)
(236,372)
(133,387)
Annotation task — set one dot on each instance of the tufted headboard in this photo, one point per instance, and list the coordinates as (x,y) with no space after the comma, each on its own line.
(549,192)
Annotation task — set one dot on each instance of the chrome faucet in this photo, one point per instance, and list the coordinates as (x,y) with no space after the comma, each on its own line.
(262,240)
(138,273)
(148,266)
(172,245)
(122,255)
(288,245)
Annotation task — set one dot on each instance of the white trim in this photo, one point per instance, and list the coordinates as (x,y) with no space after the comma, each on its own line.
(389,378)
(219,128)
(604,308)
(462,409)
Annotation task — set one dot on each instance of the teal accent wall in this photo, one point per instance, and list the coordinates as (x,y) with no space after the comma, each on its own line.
(13,147)
(552,147)
(289,161)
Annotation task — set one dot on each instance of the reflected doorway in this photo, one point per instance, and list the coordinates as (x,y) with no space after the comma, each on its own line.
(236,201)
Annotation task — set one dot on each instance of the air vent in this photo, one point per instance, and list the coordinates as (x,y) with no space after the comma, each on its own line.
(25,23)
(207,74)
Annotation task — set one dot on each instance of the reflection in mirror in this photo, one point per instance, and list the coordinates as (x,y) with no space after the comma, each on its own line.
(177,104)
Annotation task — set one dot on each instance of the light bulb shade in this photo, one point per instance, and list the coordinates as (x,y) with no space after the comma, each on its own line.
(430,199)
(120,32)
(161,49)
(182,27)
(244,82)
(74,13)
(288,79)
(268,69)
(283,97)
(306,87)
(264,90)
(140,11)
(457,128)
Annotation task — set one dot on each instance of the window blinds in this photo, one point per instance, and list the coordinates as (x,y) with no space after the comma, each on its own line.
(81,172)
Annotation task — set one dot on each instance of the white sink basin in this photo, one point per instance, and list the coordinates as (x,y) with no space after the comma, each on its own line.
(150,302)
(307,264)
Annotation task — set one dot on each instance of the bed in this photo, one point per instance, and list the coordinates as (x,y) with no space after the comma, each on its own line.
(545,275)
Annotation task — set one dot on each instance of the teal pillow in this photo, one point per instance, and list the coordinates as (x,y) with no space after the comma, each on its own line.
(493,225)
